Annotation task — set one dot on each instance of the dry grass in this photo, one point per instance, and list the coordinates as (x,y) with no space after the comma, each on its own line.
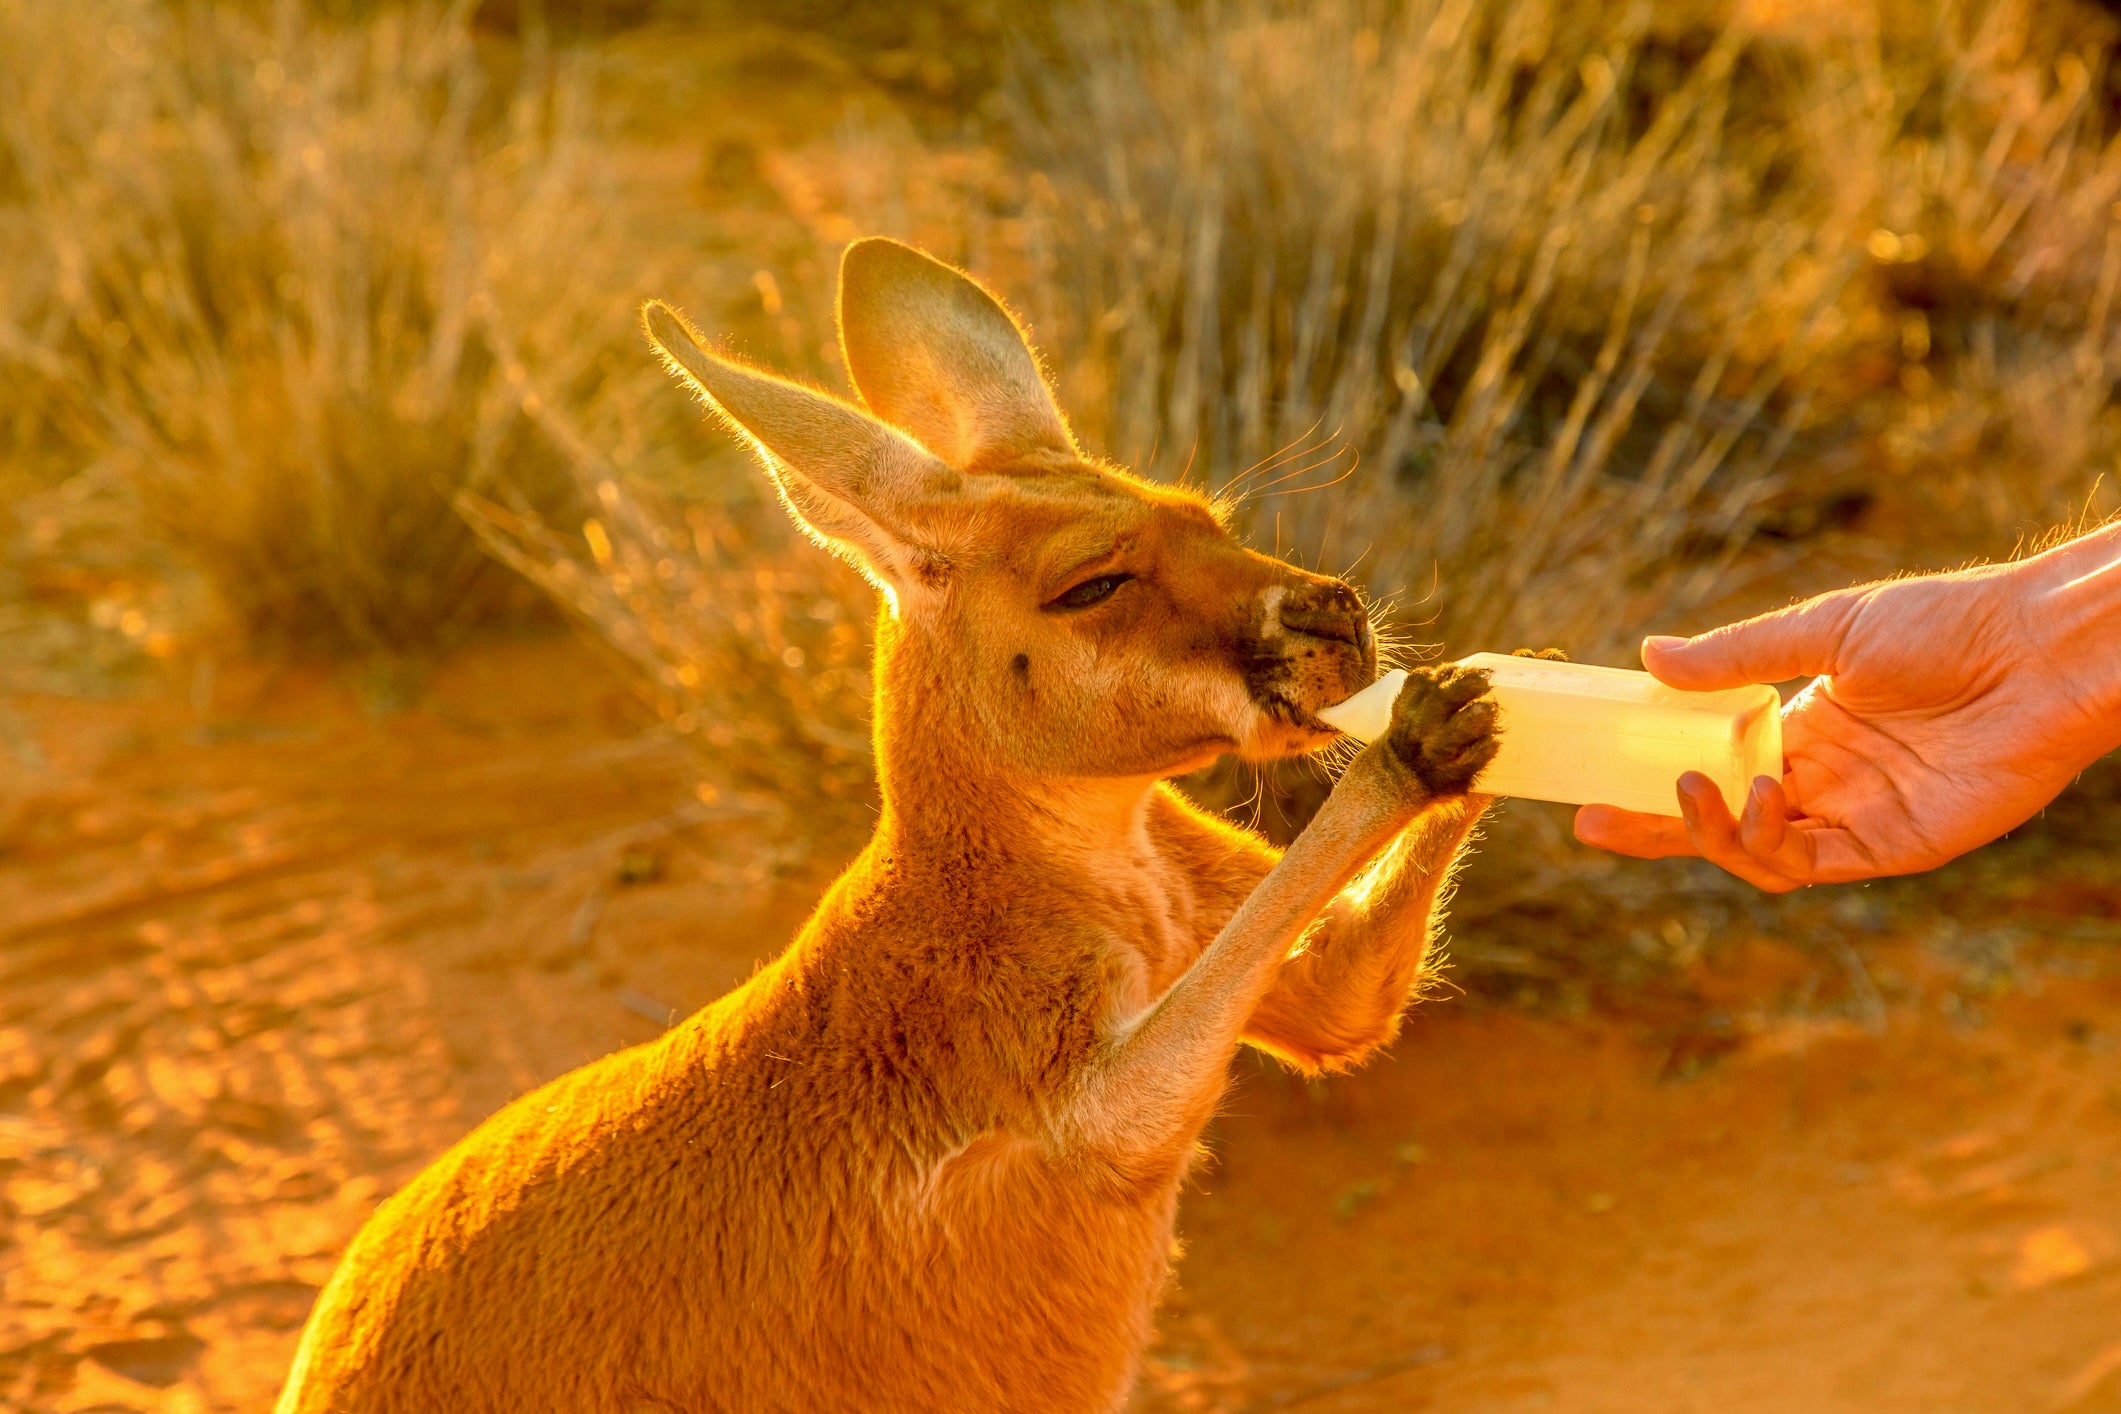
(751,641)
(1519,285)
(288,297)
(1569,288)
(275,289)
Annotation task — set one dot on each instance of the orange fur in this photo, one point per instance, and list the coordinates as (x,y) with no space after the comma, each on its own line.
(929,1158)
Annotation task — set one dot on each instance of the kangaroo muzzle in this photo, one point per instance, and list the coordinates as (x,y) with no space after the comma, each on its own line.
(1330,611)
(1314,645)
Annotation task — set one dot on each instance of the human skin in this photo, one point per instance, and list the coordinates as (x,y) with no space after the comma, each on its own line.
(1946,710)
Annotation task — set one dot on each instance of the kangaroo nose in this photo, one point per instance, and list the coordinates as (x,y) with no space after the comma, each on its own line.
(1332,612)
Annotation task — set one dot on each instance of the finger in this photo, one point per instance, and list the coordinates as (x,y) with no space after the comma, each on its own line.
(1836,856)
(1715,835)
(1794,642)
(1796,847)
(1626,832)
(1765,823)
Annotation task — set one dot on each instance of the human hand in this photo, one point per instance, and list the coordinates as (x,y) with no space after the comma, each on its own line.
(1948,709)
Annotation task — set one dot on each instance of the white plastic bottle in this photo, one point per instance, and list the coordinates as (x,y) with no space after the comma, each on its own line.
(1587,735)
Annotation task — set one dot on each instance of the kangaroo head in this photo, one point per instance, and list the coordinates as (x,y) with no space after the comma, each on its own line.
(1057,614)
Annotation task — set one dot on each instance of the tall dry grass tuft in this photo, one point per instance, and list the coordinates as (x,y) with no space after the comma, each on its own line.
(332,313)
(1533,289)
(275,289)
(1528,270)
(1973,150)
(1597,293)
(754,644)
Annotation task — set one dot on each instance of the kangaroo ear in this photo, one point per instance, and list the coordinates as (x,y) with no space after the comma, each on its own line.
(852,483)
(934,353)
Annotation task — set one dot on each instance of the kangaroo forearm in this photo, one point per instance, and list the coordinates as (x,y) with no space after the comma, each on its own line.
(1342,995)
(1163,1072)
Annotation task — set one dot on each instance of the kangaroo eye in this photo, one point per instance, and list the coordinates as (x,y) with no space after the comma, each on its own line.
(1090,591)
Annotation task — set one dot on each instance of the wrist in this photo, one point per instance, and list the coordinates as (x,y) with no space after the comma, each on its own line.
(2074,600)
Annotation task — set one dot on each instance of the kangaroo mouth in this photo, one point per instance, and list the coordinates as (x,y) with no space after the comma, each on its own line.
(1310,645)
(1285,711)
(1289,683)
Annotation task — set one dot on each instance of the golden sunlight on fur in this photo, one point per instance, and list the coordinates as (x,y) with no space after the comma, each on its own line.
(929,1158)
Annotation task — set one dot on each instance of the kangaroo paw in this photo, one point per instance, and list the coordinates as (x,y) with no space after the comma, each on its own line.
(1444,728)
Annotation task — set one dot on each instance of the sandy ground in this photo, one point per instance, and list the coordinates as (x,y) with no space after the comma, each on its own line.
(262,954)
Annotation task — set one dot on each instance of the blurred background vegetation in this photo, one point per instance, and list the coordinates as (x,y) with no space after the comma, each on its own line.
(1548,323)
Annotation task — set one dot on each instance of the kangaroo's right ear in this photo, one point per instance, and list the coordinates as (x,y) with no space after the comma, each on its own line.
(933,352)
(853,483)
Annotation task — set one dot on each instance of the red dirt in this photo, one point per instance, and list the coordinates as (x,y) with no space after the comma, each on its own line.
(258,962)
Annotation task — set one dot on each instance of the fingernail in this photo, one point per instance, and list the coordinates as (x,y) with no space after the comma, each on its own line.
(1662,642)
(1687,809)
(1756,800)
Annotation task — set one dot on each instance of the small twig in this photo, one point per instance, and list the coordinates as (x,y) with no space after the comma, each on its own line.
(1348,1379)
(1868,1000)
(583,930)
(677,821)
(647,1007)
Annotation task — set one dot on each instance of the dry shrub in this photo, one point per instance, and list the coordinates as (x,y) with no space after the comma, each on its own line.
(1548,301)
(1971,145)
(276,289)
(753,642)
(1451,294)
(290,297)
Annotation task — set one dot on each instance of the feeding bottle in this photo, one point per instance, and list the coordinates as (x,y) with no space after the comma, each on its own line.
(1587,735)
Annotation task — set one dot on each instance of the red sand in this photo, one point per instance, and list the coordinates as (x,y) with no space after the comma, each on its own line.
(258,963)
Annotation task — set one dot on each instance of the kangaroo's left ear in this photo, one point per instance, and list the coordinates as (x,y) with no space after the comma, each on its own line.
(934,354)
(859,486)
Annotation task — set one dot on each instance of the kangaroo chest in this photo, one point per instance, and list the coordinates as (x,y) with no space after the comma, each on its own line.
(1151,913)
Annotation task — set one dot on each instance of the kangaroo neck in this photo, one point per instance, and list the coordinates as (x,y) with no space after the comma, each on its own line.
(948,797)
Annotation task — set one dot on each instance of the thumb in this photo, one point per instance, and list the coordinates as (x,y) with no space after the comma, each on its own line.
(1799,641)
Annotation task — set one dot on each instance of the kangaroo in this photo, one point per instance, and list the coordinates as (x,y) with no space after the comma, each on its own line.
(929,1157)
